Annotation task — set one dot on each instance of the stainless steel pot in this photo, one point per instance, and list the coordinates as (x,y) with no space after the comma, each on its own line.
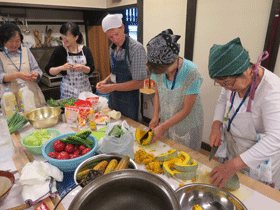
(126,190)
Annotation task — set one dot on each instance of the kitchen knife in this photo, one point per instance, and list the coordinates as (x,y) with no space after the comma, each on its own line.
(213,152)
(145,136)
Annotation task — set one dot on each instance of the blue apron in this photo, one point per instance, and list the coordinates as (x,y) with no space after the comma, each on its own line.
(127,102)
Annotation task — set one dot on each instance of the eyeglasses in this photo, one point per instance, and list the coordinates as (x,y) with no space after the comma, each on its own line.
(229,84)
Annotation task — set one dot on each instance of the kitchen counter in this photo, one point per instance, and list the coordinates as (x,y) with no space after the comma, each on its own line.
(257,195)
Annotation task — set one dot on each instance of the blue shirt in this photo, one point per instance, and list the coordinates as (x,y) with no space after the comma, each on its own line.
(181,76)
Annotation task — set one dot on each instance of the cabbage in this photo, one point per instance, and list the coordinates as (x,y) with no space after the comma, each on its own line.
(32,141)
(39,138)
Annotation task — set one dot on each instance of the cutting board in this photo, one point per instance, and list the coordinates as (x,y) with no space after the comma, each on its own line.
(97,134)
(159,147)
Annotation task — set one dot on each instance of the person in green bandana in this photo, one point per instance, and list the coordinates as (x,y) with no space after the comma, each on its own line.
(246,124)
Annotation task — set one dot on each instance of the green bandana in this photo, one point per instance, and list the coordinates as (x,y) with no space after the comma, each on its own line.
(227,60)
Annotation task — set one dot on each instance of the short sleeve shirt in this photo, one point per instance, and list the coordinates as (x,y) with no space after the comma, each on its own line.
(136,60)
(183,73)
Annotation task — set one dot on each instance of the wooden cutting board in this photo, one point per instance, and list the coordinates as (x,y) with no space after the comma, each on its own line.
(159,147)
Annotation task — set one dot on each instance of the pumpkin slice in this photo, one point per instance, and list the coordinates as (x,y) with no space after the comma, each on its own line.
(168,167)
(140,133)
(186,164)
(172,153)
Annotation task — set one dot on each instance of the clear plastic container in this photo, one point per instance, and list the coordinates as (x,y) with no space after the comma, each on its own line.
(28,100)
(20,91)
(9,102)
(6,144)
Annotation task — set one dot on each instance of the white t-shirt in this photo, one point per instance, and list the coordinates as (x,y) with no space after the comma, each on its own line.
(265,109)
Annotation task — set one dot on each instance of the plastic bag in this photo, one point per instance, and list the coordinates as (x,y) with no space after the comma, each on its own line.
(102,102)
(122,145)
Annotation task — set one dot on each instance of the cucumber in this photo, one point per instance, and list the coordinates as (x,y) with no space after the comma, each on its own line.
(83,134)
(78,139)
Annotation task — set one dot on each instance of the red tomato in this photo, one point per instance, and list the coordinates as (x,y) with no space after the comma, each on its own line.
(82,147)
(77,153)
(56,141)
(53,154)
(59,146)
(71,156)
(85,151)
(76,147)
(69,148)
(63,155)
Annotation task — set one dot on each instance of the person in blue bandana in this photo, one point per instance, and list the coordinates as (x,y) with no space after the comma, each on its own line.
(17,64)
(178,112)
(246,124)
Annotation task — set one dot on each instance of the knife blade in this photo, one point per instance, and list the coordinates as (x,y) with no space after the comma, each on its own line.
(145,136)
(213,152)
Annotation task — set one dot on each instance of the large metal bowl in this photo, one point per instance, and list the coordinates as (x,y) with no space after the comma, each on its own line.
(99,158)
(208,197)
(44,117)
(126,190)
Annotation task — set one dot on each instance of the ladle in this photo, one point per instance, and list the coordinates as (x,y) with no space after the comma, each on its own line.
(26,26)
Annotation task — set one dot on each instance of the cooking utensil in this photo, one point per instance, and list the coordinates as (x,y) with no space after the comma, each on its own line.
(44,117)
(207,196)
(26,27)
(38,149)
(101,157)
(213,152)
(126,189)
(145,136)
(69,164)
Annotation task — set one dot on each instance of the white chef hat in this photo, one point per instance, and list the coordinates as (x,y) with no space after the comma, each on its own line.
(112,21)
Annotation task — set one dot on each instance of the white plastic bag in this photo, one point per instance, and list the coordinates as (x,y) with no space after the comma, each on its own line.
(102,102)
(122,145)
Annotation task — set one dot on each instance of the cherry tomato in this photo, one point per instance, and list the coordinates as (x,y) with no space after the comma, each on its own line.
(77,153)
(69,148)
(56,141)
(53,154)
(76,147)
(85,151)
(82,147)
(71,156)
(63,155)
(59,146)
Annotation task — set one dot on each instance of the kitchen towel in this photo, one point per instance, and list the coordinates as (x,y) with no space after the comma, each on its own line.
(39,181)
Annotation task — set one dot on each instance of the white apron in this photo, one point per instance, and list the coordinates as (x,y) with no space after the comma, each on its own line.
(75,82)
(241,137)
(14,85)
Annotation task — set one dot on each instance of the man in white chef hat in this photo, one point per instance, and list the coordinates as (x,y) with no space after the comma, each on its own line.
(128,62)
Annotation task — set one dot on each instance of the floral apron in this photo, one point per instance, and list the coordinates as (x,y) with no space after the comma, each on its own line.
(14,85)
(75,82)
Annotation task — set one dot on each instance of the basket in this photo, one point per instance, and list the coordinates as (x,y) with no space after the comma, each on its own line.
(38,149)
(70,164)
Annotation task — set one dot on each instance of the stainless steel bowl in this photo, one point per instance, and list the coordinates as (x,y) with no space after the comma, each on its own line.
(101,157)
(44,117)
(126,189)
(208,197)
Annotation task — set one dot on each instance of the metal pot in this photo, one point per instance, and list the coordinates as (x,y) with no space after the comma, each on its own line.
(126,189)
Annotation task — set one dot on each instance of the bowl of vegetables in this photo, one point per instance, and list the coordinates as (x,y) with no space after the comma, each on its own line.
(34,141)
(68,151)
